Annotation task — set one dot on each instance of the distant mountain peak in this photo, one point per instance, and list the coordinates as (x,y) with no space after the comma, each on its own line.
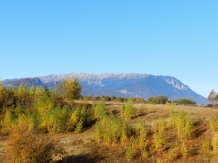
(126,85)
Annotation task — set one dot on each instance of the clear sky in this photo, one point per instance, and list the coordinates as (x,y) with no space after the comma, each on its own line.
(175,38)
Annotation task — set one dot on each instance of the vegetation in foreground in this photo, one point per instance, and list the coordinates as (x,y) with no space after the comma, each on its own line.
(32,117)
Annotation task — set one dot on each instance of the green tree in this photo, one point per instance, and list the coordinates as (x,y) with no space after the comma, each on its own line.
(161,100)
(151,100)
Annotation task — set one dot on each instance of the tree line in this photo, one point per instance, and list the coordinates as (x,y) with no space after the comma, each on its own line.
(67,91)
(27,97)
(164,99)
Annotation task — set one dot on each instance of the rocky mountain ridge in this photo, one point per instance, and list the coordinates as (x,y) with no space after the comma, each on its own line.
(123,85)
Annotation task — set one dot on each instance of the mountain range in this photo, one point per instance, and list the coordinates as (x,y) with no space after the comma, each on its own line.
(120,85)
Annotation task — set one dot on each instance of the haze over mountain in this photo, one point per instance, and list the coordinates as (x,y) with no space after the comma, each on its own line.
(123,85)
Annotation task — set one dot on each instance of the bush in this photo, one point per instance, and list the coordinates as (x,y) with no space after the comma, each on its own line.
(128,110)
(158,100)
(80,118)
(100,110)
(151,100)
(184,101)
(23,146)
(57,119)
(183,124)
(161,100)
(7,123)
(109,129)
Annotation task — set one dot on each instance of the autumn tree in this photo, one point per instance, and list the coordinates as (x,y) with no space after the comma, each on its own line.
(6,97)
(212,96)
(158,100)
(22,96)
(70,89)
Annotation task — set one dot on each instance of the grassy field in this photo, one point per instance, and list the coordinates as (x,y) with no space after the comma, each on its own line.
(148,133)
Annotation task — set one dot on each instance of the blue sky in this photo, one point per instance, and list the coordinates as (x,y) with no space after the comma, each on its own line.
(175,38)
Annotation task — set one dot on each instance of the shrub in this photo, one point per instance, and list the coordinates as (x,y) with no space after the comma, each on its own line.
(161,100)
(100,110)
(182,123)
(128,110)
(7,123)
(151,100)
(125,134)
(23,146)
(79,119)
(158,141)
(184,101)
(57,119)
(159,126)
(158,100)
(109,129)
(141,134)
